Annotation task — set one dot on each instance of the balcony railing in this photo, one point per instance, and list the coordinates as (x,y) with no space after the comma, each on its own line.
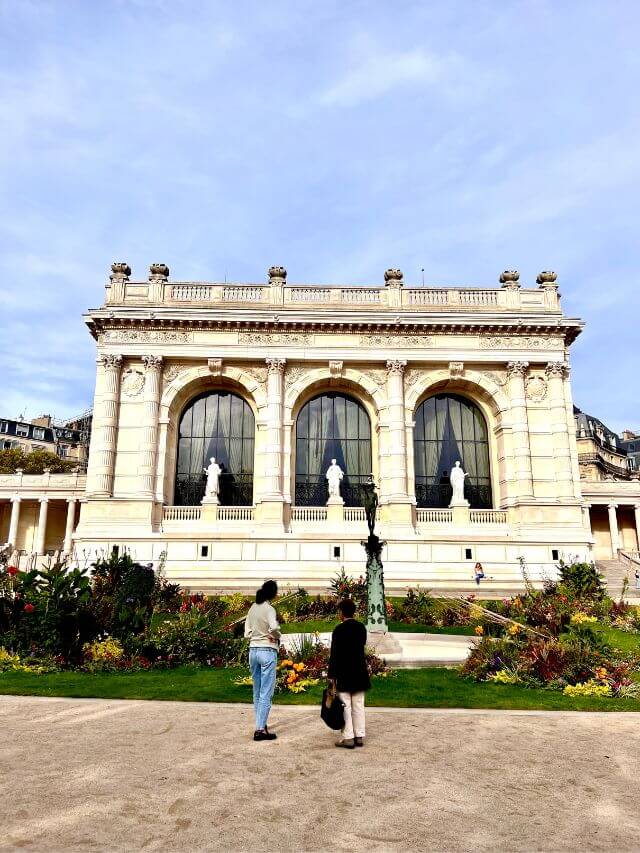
(410,298)
(434,516)
(488,516)
(236,513)
(181,513)
(309,513)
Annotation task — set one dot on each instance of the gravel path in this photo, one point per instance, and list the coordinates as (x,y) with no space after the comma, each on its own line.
(101,775)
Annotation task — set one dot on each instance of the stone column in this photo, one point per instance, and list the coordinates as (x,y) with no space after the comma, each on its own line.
(149,442)
(613,528)
(636,511)
(555,372)
(105,427)
(42,526)
(272,497)
(394,471)
(71,518)
(516,372)
(15,520)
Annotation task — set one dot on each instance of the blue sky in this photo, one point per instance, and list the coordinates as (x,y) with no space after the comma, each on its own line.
(335,138)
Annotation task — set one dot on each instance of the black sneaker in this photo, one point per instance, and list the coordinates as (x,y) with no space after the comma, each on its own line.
(265,735)
(359,741)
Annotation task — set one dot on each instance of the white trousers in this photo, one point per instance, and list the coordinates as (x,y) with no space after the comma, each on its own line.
(353,715)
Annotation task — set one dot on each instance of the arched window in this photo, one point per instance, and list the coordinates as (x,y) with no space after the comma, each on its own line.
(450,428)
(331,426)
(219,424)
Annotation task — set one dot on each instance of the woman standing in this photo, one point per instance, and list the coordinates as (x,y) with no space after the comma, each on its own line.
(348,670)
(262,629)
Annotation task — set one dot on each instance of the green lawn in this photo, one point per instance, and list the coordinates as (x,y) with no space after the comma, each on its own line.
(417,688)
(320,625)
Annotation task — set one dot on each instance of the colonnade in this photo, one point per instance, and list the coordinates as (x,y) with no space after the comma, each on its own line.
(40,540)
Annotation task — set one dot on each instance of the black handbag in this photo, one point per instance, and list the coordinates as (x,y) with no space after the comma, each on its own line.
(332,709)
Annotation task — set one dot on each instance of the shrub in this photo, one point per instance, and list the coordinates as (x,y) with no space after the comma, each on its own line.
(582,579)
(123,595)
(343,586)
(188,638)
(34,462)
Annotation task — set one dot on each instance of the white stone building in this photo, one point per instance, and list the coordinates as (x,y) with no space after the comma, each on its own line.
(276,380)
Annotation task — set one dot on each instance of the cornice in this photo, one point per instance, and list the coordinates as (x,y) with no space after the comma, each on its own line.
(275,319)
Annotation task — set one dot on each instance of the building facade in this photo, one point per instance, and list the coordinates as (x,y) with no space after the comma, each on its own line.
(67,439)
(276,380)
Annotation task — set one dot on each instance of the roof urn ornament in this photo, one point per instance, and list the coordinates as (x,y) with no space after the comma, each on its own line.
(393,278)
(277,273)
(510,278)
(547,278)
(158,272)
(120,270)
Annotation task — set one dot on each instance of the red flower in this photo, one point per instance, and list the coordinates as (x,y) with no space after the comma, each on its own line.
(29,608)
(12,571)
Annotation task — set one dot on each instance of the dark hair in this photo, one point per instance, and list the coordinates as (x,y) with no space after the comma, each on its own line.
(347,607)
(268,590)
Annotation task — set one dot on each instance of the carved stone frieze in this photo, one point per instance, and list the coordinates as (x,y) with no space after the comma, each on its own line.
(132,382)
(266,338)
(386,341)
(535,389)
(378,376)
(148,336)
(518,342)
(412,376)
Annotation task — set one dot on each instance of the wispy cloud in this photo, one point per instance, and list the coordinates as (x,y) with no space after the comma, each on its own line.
(373,71)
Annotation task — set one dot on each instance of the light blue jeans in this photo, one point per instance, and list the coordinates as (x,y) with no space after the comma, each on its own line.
(263,673)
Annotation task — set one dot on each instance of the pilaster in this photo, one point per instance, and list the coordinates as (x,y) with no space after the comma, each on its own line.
(269,507)
(556,371)
(516,372)
(149,435)
(105,427)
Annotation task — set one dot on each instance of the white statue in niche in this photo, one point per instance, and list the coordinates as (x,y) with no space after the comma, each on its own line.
(213,481)
(456,478)
(334,478)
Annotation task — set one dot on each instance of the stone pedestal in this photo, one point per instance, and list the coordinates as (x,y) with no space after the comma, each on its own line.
(461,514)
(335,510)
(382,643)
(210,509)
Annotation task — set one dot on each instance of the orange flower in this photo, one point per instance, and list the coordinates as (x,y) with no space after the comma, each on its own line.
(479,630)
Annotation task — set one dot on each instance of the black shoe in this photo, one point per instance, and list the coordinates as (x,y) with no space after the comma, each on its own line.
(346,744)
(359,741)
(265,735)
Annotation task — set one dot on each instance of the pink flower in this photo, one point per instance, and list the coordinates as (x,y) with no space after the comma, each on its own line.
(29,608)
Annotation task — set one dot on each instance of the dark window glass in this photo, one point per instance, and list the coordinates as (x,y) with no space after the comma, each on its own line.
(450,428)
(332,426)
(219,424)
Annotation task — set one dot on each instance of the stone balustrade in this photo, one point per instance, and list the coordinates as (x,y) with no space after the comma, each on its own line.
(488,516)
(202,294)
(434,516)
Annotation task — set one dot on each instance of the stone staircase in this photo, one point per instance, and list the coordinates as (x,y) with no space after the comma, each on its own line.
(614,572)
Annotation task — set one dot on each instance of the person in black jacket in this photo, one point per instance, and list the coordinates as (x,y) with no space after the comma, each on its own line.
(348,671)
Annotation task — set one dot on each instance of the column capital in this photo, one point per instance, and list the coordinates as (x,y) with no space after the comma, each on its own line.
(112,362)
(72,500)
(276,365)
(44,499)
(556,368)
(396,366)
(15,499)
(152,362)
(517,368)
(612,505)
